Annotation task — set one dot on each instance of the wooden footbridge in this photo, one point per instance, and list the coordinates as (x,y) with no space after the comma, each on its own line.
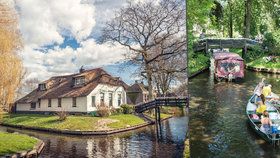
(219,43)
(162,101)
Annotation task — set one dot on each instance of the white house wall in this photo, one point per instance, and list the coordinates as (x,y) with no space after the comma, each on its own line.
(84,104)
(106,89)
(66,104)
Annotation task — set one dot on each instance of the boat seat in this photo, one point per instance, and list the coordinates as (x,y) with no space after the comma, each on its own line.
(256,121)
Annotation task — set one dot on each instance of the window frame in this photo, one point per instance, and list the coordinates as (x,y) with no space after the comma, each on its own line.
(79,80)
(74,100)
(39,103)
(119,99)
(59,102)
(93,100)
(110,99)
(49,103)
(33,105)
(102,97)
(42,87)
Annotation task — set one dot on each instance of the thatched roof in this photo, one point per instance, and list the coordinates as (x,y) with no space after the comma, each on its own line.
(63,86)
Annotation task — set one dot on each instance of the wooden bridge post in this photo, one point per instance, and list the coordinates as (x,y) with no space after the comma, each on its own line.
(158,110)
(206,46)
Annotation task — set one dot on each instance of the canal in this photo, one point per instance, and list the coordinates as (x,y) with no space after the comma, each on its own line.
(144,142)
(218,124)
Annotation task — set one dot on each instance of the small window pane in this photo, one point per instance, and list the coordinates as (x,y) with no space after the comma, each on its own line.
(59,102)
(102,98)
(49,103)
(119,99)
(74,102)
(33,105)
(93,101)
(110,99)
(39,103)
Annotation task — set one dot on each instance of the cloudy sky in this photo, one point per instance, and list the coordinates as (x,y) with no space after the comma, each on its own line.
(62,35)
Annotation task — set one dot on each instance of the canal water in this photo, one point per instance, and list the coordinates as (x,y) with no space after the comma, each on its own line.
(144,142)
(218,124)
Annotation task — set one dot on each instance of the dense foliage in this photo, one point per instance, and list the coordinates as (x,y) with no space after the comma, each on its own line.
(255,19)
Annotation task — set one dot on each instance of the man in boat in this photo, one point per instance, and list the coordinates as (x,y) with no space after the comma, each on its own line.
(259,87)
(266,122)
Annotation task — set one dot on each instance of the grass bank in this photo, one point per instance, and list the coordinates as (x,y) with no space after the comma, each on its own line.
(198,62)
(11,143)
(187,149)
(262,63)
(162,115)
(83,123)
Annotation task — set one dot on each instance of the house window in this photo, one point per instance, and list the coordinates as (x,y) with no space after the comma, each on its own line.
(93,101)
(59,102)
(49,103)
(102,98)
(119,99)
(74,102)
(42,87)
(110,99)
(39,103)
(79,80)
(33,105)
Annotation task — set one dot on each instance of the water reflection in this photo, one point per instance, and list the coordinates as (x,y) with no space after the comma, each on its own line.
(139,143)
(218,125)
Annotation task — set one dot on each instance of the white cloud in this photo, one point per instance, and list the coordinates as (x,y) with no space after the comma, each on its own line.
(45,22)
(60,61)
(49,22)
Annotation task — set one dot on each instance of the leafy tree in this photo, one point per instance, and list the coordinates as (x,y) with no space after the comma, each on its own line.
(10,63)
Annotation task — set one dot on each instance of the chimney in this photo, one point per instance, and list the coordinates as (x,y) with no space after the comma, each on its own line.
(82,69)
(136,81)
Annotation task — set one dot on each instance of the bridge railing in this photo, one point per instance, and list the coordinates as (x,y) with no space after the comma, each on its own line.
(204,44)
(161,101)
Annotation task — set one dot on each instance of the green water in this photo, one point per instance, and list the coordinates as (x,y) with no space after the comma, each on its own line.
(218,124)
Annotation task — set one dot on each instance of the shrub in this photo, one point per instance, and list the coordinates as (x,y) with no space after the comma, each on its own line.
(127,109)
(62,115)
(103,110)
(116,111)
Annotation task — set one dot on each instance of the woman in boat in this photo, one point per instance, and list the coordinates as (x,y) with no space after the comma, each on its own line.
(266,91)
(266,122)
(261,105)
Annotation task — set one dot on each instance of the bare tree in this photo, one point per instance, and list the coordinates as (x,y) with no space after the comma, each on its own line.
(27,86)
(142,26)
(171,68)
(10,63)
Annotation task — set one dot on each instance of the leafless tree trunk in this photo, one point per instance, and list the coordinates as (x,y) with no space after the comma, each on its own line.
(142,26)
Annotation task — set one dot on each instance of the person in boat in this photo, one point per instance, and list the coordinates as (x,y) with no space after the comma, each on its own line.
(266,91)
(266,122)
(259,87)
(261,105)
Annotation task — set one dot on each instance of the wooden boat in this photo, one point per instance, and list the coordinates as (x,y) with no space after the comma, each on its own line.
(273,100)
(228,66)
(255,123)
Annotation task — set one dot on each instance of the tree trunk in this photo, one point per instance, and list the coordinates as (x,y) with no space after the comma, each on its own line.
(149,80)
(230,20)
(248,18)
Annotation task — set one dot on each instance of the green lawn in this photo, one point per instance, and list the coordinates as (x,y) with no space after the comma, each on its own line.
(11,143)
(84,123)
(187,149)
(261,63)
